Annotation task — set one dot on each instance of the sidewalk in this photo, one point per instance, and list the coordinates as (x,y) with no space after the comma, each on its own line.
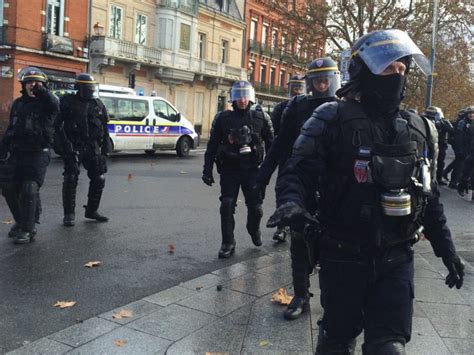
(199,317)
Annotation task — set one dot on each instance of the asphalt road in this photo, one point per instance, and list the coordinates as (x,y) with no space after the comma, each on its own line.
(152,202)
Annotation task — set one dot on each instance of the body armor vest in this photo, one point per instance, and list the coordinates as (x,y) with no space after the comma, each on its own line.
(32,125)
(373,191)
(230,149)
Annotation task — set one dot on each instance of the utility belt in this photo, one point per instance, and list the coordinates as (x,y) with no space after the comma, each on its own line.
(229,155)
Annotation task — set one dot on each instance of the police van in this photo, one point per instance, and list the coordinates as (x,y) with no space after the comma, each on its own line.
(148,123)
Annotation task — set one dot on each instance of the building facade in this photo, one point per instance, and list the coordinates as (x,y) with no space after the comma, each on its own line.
(273,54)
(48,34)
(183,50)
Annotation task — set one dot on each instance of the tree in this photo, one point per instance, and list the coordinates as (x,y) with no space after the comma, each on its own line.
(339,23)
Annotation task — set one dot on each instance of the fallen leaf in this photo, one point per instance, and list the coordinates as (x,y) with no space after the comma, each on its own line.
(7,221)
(198,288)
(130,177)
(183,172)
(281,297)
(92,264)
(120,342)
(171,248)
(123,313)
(264,343)
(64,304)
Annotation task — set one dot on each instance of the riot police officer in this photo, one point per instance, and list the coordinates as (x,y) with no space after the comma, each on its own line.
(296,86)
(466,149)
(444,128)
(322,81)
(373,165)
(237,142)
(83,138)
(27,141)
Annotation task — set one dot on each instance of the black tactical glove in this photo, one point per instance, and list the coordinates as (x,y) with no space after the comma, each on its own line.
(463,188)
(208,179)
(290,214)
(40,91)
(455,267)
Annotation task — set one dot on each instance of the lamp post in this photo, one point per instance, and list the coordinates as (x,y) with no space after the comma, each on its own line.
(429,88)
(98,29)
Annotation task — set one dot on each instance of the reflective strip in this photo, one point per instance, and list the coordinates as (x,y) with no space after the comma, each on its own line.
(297,81)
(322,69)
(86,82)
(248,88)
(34,76)
(379,43)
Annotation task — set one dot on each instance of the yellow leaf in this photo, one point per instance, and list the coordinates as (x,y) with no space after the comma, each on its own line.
(123,313)
(264,343)
(7,221)
(120,342)
(171,248)
(130,177)
(92,264)
(281,297)
(64,304)
(183,172)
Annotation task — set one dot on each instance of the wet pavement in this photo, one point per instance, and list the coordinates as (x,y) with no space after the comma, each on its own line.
(230,311)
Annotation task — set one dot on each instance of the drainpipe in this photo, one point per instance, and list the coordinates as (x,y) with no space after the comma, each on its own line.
(88,35)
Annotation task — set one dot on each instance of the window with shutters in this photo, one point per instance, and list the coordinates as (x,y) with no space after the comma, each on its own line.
(185,37)
(115,22)
(54,17)
(166,33)
(141,29)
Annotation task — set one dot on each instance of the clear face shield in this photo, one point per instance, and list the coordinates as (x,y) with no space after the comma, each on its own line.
(323,84)
(385,47)
(241,93)
(296,87)
(89,91)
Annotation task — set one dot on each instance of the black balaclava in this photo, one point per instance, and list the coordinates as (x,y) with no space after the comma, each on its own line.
(237,109)
(382,94)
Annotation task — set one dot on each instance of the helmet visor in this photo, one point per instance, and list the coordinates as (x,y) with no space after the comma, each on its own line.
(296,87)
(385,47)
(323,84)
(245,92)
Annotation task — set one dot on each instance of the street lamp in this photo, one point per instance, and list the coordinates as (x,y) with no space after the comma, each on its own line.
(98,29)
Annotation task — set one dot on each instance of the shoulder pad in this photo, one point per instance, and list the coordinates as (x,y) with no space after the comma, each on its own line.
(223,114)
(327,111)
(258,114)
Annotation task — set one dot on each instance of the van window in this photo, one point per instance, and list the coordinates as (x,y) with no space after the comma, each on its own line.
(121,109)
(163,110)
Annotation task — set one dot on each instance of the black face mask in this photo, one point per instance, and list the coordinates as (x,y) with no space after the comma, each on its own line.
(383,93)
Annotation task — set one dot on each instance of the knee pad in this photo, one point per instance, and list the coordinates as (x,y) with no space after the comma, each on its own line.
(227,206)
(385,346)
(98,181)
(29,187)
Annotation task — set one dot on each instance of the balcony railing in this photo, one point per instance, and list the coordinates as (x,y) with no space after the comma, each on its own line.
(266,50)
(263,88)
(188,6)
(255,46)
(106,47)
(3,37)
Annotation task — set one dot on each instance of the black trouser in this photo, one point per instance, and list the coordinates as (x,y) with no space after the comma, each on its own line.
(361,292)
(96,167)
(22,193)
(231,182)
(302,263)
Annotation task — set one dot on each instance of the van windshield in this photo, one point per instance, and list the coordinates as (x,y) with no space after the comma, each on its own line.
(124,109)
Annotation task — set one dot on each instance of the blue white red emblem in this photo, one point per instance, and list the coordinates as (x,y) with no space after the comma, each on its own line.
(319,62)
(361,171)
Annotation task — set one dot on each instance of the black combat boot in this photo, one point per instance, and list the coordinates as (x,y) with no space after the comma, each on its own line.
(254,215)
(69,199)
(227,228)
(28,203)
(327,345)
(96,187)
(12,198)
(297,307)
(280,234)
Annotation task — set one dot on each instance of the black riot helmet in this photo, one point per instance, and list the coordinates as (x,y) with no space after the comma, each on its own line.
(86,86)
(375,51)
(32,74)
(296,85)
(322,78)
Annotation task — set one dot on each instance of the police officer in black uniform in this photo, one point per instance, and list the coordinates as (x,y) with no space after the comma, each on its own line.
(296,86)
(444,128)
(466,149)
(83,138)
(27,141)
(322,81)
(236,144)
(373,165)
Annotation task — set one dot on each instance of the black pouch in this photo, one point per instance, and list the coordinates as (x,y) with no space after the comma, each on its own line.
(393,166)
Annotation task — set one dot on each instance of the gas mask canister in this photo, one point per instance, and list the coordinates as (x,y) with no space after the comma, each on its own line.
(242,138)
